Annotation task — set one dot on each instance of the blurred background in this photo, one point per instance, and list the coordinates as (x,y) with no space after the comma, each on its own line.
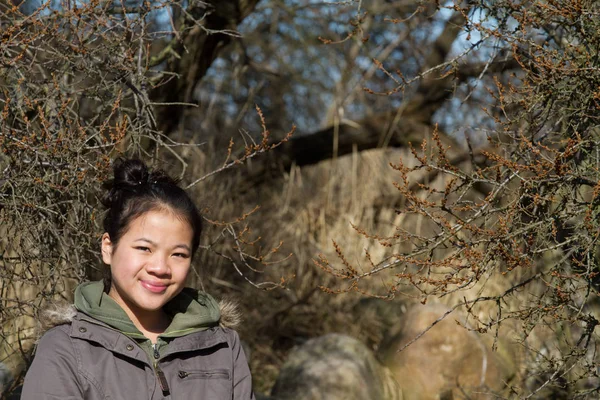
(401,196)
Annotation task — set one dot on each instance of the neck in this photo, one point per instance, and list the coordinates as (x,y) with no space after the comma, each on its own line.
(150,323)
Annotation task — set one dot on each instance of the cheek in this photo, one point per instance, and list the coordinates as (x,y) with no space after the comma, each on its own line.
(117,272)
(182,273)
(123,265)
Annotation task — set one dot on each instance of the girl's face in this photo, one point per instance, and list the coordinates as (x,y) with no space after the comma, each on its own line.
(151,262)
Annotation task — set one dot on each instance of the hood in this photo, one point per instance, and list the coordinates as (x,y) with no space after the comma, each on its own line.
(191,310)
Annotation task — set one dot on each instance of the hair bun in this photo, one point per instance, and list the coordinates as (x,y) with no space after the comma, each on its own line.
(160,177)
(130,173)
(127,175)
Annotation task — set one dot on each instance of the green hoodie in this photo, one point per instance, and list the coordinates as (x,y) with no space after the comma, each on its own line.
(190,310)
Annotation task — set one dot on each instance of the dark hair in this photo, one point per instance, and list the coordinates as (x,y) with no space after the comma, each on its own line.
(135,191)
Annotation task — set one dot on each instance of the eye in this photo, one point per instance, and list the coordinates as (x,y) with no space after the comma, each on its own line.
(142,248)
(181,255)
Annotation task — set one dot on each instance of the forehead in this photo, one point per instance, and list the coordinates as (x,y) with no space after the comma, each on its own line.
(160,224)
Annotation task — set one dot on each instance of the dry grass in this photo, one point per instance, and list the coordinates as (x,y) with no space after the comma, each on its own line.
(307,209)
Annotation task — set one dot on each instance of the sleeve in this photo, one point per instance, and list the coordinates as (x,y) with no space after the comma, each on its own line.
(53,373)
(242,379)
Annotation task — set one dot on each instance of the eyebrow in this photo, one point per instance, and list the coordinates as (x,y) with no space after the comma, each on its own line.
(183,246)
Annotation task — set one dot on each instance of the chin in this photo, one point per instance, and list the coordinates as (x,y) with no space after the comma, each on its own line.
(153,303)
(151,306)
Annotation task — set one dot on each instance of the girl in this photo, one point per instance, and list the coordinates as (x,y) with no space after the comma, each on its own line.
(140,334)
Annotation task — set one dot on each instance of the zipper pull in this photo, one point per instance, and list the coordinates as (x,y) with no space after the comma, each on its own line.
(160,375)
(162,379)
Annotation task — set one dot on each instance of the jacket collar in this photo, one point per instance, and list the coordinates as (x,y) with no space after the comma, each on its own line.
(191,310)
(85,328)
(107,337)
(64,313)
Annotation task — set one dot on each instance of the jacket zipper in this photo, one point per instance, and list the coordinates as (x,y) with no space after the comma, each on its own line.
(160,375)
(203,374)
(162,379)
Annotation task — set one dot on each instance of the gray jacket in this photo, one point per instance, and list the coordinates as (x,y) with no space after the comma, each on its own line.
(87,359)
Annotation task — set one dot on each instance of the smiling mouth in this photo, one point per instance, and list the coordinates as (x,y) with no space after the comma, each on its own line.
(154,287)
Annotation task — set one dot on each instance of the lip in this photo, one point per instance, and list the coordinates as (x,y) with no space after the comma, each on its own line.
(154,287)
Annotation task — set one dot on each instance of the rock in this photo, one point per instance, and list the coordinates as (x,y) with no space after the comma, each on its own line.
(5,377)
(334,367)
(375,317)
(446,362)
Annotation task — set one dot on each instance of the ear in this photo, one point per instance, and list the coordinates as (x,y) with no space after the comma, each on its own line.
(106,248)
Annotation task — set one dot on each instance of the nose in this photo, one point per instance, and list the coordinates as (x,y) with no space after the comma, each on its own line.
(159,266)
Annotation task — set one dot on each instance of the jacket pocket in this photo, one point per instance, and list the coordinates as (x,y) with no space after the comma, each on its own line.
(199,374)
(213,384)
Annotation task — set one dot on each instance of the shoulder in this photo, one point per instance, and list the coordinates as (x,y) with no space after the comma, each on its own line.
(230,334)
(56,315)
(55,368)
(235,344)
(53,330)
(55,340)
(55,351)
